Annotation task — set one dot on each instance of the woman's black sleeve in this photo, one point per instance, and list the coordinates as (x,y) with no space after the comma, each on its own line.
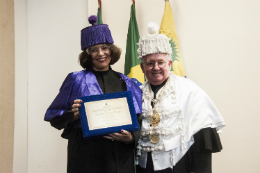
(62,121)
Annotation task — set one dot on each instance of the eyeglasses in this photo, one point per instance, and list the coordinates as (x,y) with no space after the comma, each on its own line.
(95,50)
(151,64)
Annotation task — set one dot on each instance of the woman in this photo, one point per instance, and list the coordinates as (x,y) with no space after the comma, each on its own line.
(111,153)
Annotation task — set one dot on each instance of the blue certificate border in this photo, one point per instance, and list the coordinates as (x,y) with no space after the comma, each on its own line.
(98,132)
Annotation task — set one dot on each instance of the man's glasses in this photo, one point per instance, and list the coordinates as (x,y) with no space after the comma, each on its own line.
(151,64)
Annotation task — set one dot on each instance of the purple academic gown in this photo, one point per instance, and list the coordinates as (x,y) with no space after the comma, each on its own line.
(96,154)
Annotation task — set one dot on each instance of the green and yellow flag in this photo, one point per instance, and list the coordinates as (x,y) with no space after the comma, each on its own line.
(168,28)
(132,63)
(99,16)
(99,13)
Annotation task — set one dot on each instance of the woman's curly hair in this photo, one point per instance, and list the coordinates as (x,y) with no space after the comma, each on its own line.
(85,59)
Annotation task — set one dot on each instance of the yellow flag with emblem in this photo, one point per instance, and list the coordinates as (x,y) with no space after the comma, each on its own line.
(168,28)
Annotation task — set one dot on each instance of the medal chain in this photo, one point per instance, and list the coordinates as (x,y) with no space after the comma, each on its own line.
(155,101)
(155,118)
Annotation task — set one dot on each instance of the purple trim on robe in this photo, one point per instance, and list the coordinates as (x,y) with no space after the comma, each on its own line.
(92,84)
(60,103)
(84,83)
(135,91)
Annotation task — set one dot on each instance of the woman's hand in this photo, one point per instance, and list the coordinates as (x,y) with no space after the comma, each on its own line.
(124,136)
(75,109)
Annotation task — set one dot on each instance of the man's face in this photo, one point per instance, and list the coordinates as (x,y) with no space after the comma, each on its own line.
(156,68)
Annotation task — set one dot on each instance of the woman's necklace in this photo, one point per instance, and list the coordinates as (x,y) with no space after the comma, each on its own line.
(155,118)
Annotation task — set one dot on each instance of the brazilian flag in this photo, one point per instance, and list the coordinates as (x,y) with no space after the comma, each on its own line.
(99,16)
(168,28)
(132,63)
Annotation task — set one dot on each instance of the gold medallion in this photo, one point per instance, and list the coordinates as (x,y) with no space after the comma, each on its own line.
(155,119)
(154,138)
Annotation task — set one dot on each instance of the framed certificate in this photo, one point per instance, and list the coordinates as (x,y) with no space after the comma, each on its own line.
(107,113)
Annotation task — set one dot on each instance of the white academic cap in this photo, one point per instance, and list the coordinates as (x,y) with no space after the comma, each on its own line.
(153,42)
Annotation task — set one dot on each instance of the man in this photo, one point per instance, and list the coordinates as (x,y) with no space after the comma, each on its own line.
(180,123)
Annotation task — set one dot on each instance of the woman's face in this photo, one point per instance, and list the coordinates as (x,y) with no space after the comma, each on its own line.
(100,57)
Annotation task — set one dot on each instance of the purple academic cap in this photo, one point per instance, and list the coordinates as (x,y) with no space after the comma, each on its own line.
(95,34)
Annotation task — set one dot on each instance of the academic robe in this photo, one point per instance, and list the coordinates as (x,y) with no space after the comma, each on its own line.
(95,154)
(197,159)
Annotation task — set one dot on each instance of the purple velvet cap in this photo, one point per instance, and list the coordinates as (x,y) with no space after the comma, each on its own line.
(95,34)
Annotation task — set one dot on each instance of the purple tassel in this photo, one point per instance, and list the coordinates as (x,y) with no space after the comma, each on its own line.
(92,19)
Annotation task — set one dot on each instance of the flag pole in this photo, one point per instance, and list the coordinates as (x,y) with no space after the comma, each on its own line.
(99,13)
(99,4)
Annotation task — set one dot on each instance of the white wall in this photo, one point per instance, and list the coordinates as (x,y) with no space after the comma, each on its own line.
(53,48)
(21,87)
(219,45)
